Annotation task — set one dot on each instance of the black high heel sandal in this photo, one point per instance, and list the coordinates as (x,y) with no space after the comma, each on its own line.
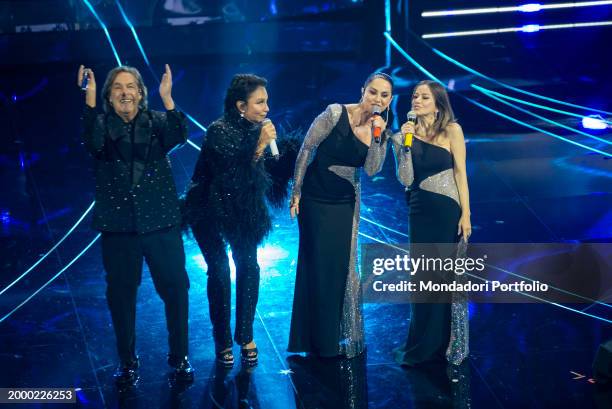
(225,358)
(249,356)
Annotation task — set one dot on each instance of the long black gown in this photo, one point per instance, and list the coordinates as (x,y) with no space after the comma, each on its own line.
(437,329)
(326,318)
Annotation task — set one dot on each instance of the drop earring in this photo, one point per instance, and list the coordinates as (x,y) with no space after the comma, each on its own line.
(241,114)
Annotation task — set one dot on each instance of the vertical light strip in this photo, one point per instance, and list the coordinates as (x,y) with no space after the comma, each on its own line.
(131,26)
(108,37)
(388,30)
(146,59)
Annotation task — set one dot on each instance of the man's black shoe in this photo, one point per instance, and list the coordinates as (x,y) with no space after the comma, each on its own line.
(126,373)
(183,371)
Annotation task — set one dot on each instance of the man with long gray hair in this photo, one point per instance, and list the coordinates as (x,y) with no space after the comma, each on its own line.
(137,208)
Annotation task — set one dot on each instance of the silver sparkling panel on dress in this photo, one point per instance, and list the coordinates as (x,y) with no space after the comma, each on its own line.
(458,347)
(318,131)
(403,161)
(376,156)
(442,183)
(352,342)
(346,172)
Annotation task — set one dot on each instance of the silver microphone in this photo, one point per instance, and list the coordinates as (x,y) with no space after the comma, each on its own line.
(273,146)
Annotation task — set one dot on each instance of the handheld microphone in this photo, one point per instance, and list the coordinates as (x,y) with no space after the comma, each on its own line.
(408,137)
(376,130)
(85,80)
(273,146)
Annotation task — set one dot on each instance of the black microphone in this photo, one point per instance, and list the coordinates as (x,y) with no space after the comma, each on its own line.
(85,80)
(376,130)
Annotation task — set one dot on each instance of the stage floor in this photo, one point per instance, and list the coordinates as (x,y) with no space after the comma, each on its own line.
(524,188)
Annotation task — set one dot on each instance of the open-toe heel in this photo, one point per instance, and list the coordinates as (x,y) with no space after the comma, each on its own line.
(249,356)
(226,358)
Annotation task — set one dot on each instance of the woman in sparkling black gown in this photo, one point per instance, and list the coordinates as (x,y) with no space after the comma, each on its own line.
(326,318)
(433,172)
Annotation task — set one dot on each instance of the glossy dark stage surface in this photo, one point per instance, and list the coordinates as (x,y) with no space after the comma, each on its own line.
(522,355)
(524,187)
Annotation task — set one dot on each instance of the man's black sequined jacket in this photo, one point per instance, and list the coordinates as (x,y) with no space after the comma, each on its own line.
(135,190)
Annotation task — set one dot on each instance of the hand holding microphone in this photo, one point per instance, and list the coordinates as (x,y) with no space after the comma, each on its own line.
(267,137)
(376,128)
(408,130)
(87,82)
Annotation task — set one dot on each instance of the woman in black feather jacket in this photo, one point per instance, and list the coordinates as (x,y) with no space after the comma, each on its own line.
(226,204)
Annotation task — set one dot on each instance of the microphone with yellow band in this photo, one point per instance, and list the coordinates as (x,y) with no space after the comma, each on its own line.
(408,137)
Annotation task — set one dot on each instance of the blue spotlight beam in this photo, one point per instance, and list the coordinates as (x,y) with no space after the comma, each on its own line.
(531,104)
(133,29)
(82,217)
(553,287)
(550,121)
(565,307)
(409,58)
(382,226)
(504,85)
(535,128)
(519,292)
(50,250)
(52,279)
(489,109)
(146,60)
(388,30)
(108,37)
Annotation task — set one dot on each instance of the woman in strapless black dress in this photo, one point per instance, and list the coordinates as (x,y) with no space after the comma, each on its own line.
(326,318)
(433,172)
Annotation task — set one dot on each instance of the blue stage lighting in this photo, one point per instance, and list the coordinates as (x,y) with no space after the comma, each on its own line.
(530,28)
(530,8)
(594,122)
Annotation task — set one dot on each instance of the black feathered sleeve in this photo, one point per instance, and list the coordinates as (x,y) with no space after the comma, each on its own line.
(228,187)
(281,170)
